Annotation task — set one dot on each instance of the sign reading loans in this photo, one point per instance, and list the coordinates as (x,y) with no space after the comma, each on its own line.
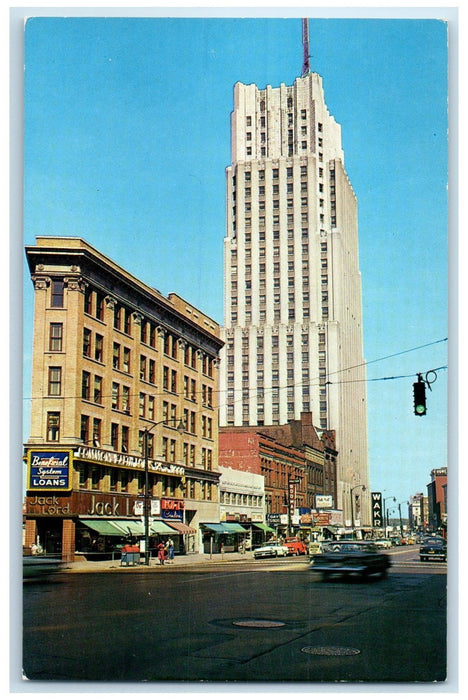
(49,470)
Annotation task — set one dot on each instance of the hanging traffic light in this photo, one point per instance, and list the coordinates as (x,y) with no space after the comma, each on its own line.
(419,394)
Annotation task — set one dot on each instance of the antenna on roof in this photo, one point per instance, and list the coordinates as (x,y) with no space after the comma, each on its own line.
(305,46)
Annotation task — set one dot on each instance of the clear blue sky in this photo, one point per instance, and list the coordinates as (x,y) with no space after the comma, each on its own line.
(127,136)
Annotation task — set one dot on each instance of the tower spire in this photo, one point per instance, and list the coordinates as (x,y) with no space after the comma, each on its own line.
(305,47)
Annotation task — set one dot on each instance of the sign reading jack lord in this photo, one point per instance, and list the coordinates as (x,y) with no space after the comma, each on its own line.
(49,470)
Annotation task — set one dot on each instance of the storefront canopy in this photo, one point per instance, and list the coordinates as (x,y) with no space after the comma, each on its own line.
(182,528)
(224,528)
(235,527)
(265,528)
(157,527)
(103,527)
(132,527)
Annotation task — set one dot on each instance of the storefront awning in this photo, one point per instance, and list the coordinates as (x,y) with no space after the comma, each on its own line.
(265,528)
(103,527)
(182,528)
(220,528)
(158,527)
(234,528)
(132,527)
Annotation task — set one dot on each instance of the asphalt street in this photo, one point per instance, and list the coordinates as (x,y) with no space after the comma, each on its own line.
(241,621)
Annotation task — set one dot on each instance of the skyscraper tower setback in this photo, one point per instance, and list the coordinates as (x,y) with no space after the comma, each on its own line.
(293,317)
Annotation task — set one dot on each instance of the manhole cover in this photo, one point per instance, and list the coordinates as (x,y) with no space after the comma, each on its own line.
(330,651)
(258,623)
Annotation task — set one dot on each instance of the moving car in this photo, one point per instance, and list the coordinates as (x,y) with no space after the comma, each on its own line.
(35,566)
(270,550)
(433,548)
(361,557)
(383,543)
(295,546)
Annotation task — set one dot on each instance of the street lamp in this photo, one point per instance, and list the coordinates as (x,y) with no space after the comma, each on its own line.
(389,498)
(359,486)
(180,429)
(399,510)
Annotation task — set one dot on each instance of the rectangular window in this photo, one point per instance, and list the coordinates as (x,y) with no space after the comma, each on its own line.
(84,429)
(126,399)
(85,385)
(142,368)
(152,371)
(56,294)
(115,396)
(115,436)
(100,307)
(86,342)
(88,302)
(125,432)
(97,389)
(95,478)
(97,432)
(55,381)
(126,360)
(55,337)
(99,340)
(116,356)
(127,321)
(53,426)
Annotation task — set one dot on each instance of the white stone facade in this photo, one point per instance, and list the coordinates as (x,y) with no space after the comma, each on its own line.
(293,321)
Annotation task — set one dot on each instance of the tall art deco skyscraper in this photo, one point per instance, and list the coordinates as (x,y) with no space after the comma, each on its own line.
(292,326)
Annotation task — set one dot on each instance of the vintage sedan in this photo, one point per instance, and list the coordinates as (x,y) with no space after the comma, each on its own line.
(270,550)
(35,566)
(433,548)
(295,546)
(351,557)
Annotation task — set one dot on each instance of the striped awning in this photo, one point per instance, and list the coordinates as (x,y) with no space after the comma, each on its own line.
(182,528)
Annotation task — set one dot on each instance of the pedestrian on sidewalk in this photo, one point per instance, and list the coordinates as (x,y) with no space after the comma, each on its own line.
(161,553)
(170,550)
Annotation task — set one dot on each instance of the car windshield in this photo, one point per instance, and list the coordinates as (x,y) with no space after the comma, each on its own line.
(434,540)
(350,547)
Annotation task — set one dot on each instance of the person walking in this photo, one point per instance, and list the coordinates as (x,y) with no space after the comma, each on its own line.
(170,550)
(161,553)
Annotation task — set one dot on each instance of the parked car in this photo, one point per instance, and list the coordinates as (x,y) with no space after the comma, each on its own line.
(433,548)
(362,558)
(35,566)
(295,545)
(270,550)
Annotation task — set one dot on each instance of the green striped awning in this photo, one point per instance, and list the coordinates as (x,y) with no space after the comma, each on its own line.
(103,527)
(265,528)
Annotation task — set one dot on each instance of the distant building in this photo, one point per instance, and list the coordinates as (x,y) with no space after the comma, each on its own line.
(120,374)
(298,466)
(320,455)
(436,498)
(283,468)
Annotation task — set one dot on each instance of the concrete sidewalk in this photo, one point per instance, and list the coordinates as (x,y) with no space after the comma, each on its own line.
(184,560)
